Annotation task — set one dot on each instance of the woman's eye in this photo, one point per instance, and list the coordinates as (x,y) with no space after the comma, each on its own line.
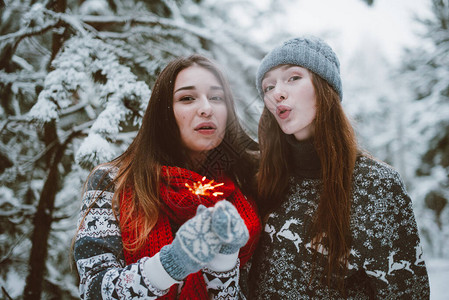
(217,98)
(268,88)
(186,98)
(293,78)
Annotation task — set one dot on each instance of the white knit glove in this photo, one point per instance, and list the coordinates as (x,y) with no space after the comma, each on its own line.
(236,236)
(201,238)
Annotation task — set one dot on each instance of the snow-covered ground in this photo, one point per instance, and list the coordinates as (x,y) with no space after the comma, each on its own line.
(439,278)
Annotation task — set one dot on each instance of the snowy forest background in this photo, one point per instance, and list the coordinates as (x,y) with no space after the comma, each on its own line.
(75,77)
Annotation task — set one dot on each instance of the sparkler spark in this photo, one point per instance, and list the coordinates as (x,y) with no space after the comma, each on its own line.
(204,189)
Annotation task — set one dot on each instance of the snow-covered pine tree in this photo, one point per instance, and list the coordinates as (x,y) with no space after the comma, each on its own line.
(373,101)
(426,74)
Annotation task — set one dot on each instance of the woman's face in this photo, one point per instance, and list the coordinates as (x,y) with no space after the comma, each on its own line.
(200,109)
(290,96)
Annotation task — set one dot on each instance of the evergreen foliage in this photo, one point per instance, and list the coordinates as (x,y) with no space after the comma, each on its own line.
(425,72)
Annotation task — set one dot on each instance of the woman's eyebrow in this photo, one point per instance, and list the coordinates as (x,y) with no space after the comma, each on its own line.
(189,87)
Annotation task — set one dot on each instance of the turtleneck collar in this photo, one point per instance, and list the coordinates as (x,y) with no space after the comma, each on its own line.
(305,160)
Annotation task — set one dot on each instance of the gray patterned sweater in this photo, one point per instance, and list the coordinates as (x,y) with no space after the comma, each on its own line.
(386,260)
(99,256)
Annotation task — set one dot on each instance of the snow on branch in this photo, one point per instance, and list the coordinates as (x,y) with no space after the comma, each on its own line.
(94,150)
(83,61)
(221,40)
(149,21)
(28,32)
(68,77)
(120,90)
(22,76)
(39,20)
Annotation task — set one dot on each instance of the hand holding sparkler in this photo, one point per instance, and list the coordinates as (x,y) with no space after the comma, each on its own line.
(201,238)
(227,220)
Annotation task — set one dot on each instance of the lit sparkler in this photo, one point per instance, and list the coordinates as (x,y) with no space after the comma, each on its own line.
(204,189)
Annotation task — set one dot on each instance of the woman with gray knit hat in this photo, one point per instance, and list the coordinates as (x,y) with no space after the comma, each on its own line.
(338,223)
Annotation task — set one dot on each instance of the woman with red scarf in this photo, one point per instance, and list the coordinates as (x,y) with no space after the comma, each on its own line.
(173,217)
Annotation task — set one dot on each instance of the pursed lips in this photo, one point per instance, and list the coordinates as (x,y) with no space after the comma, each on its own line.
(283,111)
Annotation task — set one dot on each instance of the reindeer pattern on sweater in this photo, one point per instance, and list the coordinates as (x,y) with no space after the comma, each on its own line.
(386,258)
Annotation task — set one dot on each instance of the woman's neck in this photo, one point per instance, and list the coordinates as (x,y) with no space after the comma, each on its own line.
(304,158)
(196,161)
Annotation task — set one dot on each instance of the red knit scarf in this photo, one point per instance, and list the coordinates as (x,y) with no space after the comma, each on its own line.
(179,205)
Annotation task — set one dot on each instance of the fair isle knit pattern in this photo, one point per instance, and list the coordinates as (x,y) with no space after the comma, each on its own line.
(99,253)
(385,255)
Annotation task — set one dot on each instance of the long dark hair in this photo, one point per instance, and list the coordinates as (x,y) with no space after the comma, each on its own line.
(336,145)
(139,166)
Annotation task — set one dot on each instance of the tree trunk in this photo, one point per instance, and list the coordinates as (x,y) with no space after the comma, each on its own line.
(44,214)
(42,220)
(57,39)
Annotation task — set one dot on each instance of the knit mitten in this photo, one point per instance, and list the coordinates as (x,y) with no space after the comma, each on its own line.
(194,245)
(230,227)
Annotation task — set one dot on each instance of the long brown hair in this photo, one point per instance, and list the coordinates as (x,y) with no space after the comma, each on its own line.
(158,142)
(336,145)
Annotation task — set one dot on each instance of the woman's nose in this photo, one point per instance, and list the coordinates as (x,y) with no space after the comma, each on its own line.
(205,109)
(279,93)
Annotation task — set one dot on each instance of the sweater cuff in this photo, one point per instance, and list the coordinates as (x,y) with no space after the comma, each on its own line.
(156,273)
(223,262)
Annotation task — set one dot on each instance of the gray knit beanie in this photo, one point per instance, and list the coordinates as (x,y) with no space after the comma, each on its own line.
(309,52)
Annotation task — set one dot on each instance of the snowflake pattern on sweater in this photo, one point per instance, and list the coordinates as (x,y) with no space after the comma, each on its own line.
(385,261)
(99,256)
